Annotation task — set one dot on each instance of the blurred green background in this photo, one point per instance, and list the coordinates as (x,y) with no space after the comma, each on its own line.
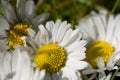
(73,10)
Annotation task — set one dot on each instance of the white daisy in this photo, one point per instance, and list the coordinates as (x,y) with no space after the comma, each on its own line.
(103,49)
(14,23)
(58,52)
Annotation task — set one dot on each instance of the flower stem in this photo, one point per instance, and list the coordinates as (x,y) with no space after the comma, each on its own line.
(115,6)
(113,77)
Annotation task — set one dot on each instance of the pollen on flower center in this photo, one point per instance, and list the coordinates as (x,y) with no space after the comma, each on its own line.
(98,48)
(15,34)
(50,57)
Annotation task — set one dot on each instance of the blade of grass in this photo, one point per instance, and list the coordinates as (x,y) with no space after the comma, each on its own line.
(113,77)
(115,6)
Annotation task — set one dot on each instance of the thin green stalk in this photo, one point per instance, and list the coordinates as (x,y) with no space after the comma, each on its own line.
(113,77)
(115,6)
(54,4)
(73,23)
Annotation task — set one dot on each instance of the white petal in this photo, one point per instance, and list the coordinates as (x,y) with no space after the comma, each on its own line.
(66,37)
(31,32)
(40,19)
(44,35)
(62,30)
(108,76)
(55,76)
(76,46)
(21,65)
(90,34)
(3,33)
(77,55)
(49,26)
(3,45)
(21,9)
(100,62)
(71,47)
(47,77)
(110,28)
(29,9)
(42,75)
(78,65)
(5,68)
(89,71)
(102,76)
(36,74)
(4,25)
(75,36)
(69,75)
(99,26)
(113,60)
(8,11)
(55,30)
(37,39)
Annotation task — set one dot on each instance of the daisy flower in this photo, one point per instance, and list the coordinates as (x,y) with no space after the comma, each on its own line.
(14,23)
(58,51)
(103,49)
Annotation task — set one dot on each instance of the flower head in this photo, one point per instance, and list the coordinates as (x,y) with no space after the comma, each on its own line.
(15,22)
(58,51)
(101,31)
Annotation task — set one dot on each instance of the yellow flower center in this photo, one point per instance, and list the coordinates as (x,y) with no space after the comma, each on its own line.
(15,34)
(50,57)
(99,48)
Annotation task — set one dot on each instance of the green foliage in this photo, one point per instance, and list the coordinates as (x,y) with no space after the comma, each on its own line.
(73,10)
(70,10)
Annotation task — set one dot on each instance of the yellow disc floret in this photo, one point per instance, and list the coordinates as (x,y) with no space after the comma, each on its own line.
(99,48)
(50,57)
(15,34)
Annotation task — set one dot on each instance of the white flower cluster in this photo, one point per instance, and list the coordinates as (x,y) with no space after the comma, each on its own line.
(30,50)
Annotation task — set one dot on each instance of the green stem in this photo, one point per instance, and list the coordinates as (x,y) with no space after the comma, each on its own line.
(113,77)
(54,4)
(115,6)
